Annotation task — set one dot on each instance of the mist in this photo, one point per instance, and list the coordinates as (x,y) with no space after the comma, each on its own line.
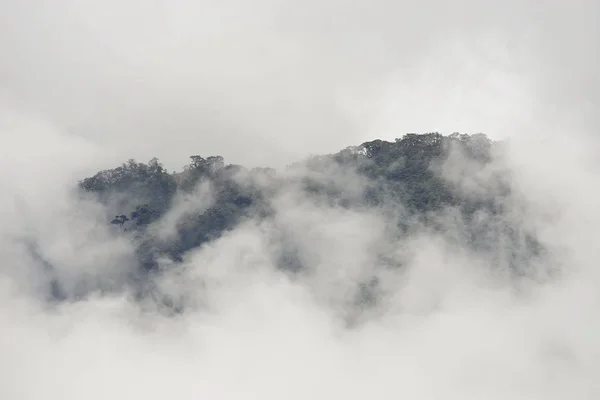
(88,85)
(285,79)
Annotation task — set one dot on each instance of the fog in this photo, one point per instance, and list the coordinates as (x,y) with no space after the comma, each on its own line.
(284,79)
(87,85)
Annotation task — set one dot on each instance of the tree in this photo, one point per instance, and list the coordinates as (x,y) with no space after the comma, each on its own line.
(119,220)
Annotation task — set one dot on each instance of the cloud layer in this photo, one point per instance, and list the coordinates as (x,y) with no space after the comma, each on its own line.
(88,85)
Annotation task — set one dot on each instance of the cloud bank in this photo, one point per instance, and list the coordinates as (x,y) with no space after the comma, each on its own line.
(247,81)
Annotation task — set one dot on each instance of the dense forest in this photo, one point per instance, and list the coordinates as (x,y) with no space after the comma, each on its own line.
(416,182)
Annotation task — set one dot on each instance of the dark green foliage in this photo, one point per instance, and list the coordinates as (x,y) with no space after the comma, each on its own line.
(402,172)
(143,214)
(403,175)
(147,184)
(119,220)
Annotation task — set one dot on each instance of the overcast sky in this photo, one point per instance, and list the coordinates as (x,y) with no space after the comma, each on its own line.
(268,81)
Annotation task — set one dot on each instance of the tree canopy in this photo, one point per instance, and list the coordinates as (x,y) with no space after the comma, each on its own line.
(406,174)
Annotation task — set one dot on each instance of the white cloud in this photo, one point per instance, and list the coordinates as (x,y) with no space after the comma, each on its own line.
(88,85)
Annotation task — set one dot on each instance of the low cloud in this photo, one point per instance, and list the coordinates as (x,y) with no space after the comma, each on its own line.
(382,303)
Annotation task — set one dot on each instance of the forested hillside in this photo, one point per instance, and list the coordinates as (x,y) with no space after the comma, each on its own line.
(418,182)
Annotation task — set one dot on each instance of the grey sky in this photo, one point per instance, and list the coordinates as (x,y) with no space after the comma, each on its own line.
(268,81)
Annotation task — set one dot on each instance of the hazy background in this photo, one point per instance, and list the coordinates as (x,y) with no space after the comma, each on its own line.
(269,81)
(85,85)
